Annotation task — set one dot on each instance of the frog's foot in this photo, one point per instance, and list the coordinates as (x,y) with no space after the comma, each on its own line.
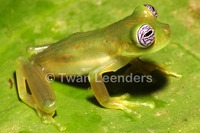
(102,95)
(48,119)
(122,103)
(176,75)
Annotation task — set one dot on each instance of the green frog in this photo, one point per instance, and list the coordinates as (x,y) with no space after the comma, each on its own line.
(91,53)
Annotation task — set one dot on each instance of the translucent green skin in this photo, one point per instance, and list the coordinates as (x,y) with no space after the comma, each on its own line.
(87,53)
(81,53)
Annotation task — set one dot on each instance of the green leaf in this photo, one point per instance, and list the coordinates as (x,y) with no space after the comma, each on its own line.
(27,23)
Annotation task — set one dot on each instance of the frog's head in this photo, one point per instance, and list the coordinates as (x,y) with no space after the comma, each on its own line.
(147,34)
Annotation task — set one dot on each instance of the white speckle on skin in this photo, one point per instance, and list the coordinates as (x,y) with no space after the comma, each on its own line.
(60,25)
(44,41)
(161,113)
(181,54)
(37,29)
(150,130)
(168,63)
(98,2)
(172,100)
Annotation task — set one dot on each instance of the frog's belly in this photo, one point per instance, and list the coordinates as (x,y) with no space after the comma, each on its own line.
(81,67)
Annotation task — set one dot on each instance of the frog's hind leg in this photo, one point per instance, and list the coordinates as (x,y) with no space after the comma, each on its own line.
(35,91)
(138,65)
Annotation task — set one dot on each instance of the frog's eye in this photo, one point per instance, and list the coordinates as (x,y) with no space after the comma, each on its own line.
(145,36)
(152,9)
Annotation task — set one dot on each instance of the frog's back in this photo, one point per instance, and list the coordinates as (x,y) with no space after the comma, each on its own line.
(82,52)
(78,54)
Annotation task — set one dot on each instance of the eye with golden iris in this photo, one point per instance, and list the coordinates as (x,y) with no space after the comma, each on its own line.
(145,36)
(152,9)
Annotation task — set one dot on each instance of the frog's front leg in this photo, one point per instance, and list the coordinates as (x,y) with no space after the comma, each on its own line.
(39,94)
(102,95)
(138,65)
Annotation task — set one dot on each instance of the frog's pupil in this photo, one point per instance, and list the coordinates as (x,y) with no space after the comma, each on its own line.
(148,34)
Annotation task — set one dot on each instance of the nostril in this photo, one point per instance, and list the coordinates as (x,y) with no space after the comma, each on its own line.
(167,29)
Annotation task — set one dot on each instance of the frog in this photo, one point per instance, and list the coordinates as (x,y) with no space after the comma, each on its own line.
(92,53)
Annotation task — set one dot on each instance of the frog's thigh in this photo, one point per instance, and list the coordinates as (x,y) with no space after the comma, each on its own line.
(42,97)
(138,65)
(147,67)
(21,85)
